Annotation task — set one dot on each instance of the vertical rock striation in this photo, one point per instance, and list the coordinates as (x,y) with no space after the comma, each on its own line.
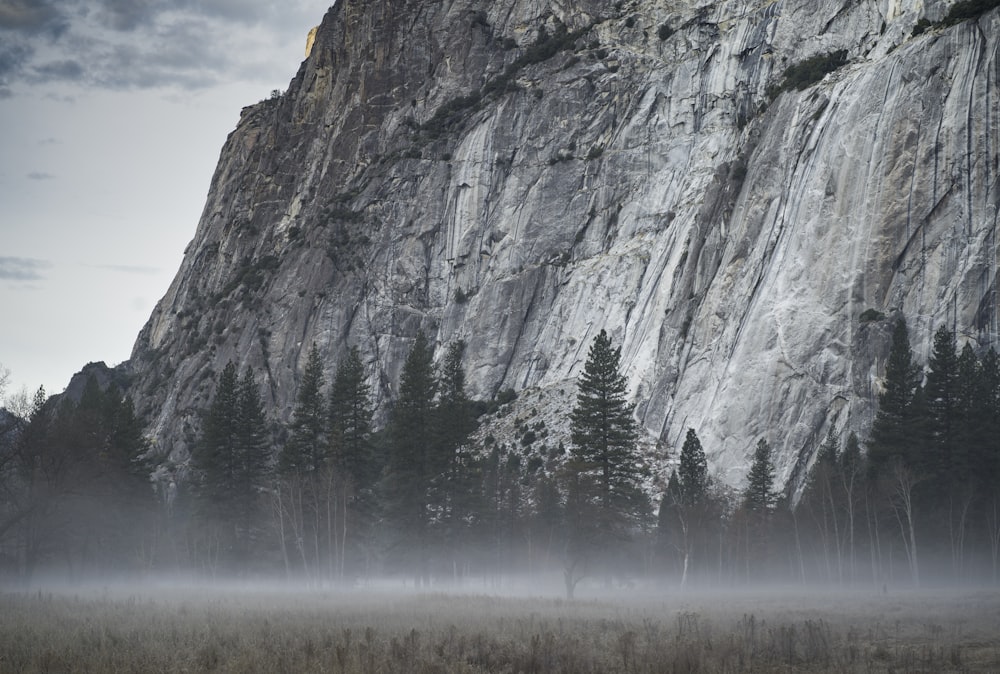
(521,174)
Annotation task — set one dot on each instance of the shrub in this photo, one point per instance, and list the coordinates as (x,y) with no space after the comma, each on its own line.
(871,315)
(664,31)
(807,73)
(969,9)
(506,396)
(921,26)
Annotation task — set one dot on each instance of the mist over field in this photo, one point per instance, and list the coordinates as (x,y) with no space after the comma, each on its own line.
(184,625)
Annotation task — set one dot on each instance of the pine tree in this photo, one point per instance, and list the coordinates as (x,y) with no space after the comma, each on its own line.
(124,491)
(233,457)
(605,456)
(307,449)
(217,453)
(412,458)
(254,443)
(692,472)
(35,484)
(453,493)
(307,494)
(938,460)
(455,418)
(760,496)
(892,431)
(966,444)
(350,422)
(984,420)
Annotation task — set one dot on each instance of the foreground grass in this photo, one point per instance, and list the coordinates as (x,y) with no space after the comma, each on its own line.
(230,631)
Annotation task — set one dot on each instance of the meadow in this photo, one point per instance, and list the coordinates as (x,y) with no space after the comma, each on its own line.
(240,629)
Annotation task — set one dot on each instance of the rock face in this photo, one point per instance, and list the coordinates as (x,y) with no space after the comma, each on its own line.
(520,174)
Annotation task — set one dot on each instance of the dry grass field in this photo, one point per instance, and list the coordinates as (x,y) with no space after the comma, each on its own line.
(197,630)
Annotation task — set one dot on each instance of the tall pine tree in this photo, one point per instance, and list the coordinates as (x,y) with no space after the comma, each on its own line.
(692,473)
(938,461)
(307,448)
(350,427)
(233,457)
(454,494)
(892,432)
(350,422)
(604,454)
(413,459)
(760,496)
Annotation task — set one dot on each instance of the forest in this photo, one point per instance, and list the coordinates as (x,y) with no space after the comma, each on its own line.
(330,500)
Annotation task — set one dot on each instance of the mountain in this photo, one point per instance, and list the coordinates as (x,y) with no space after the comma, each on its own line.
(744,194)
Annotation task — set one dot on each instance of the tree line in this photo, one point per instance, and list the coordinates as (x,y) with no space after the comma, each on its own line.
(74,485)
(329,498)
(916,501)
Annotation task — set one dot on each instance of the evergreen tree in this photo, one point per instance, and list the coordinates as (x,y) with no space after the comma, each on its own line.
(233,457)
(350,422)
(307,491)
(693,470)
(938,459)
(892,430)
(453,494)
(254,442)
(413,461)
(36,481)
(966,438)
(984,421)
(124,494)
(307,448)
(455,417)
(604,452)
(760,496)
(217,454)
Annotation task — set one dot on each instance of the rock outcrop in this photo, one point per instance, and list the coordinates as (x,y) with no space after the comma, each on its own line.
(520,174)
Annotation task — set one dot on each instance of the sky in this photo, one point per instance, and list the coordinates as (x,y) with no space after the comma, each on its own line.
(112,117)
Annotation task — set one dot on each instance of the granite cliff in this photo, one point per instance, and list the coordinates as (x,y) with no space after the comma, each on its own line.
(741,193)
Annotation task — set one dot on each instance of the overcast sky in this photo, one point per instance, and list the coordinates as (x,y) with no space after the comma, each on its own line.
(112,115)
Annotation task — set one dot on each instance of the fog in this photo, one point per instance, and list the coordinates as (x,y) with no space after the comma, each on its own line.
(518,623)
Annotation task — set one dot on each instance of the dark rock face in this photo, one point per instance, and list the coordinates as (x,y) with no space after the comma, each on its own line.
(521,174)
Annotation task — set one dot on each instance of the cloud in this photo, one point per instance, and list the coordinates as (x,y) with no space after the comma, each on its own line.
(40,175)
(13,56)
(31,17)
(142,44)
(68,69)
(22,268)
